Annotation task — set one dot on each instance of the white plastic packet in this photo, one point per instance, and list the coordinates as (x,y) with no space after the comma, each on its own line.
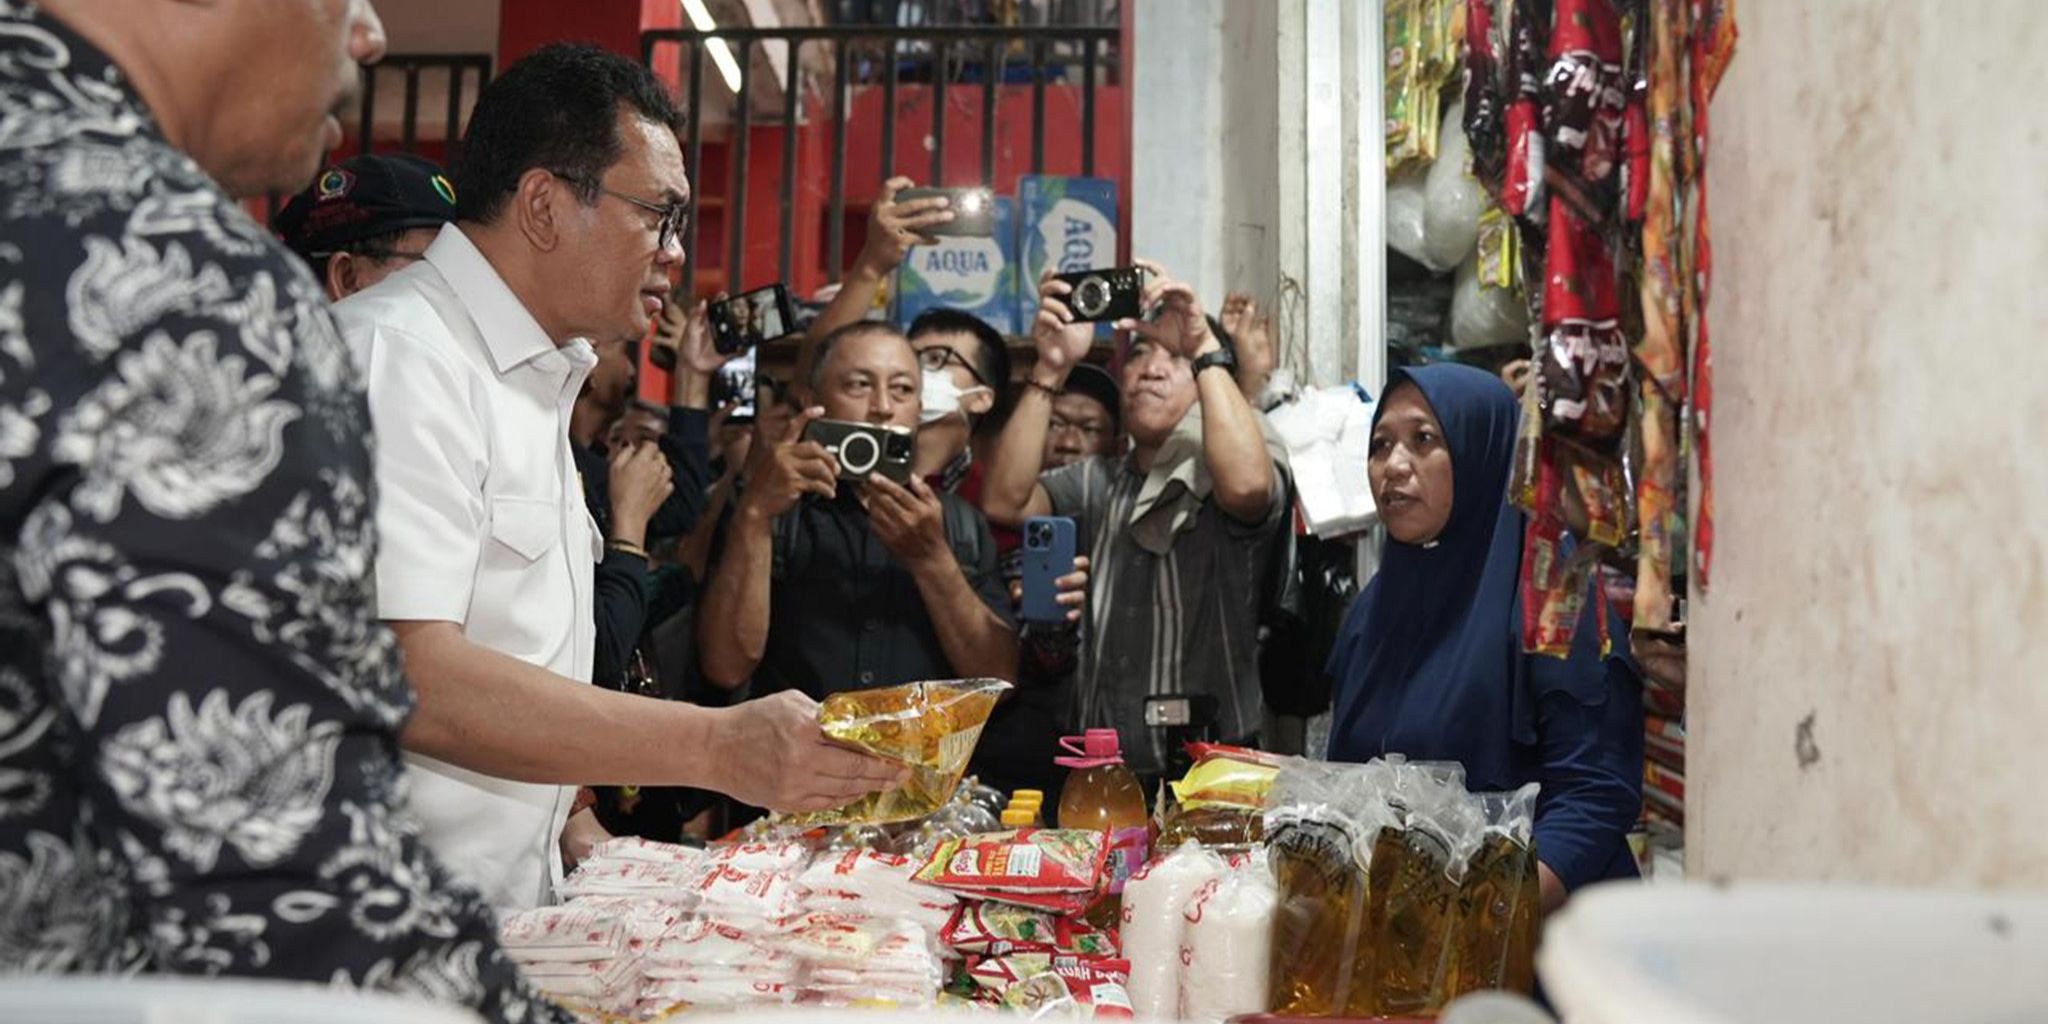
(636,848)
(1227,944)
(645,879)
(1153,925)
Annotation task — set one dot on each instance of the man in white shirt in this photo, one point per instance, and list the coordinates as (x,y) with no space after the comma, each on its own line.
(571,193)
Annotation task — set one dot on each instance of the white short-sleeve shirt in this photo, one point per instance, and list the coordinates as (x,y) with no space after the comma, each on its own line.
(481,522)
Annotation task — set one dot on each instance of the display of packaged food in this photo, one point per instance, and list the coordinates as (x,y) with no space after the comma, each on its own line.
(930,728)
(1226,944)
(1018,865)
(1152,925)
(667,881)
(997,929)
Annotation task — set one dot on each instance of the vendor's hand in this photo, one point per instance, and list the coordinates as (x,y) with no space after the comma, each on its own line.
(1516,375)
(909,520)
(1061,342)
(1180,326)
(782,473)
(581,835)
(1071,591)
(1661,659)
(640,481)
(770,753)
(894,227)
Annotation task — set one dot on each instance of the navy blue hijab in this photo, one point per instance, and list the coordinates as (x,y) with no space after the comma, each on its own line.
(1429,663)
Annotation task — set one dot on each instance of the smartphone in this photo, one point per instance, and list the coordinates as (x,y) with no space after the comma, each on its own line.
(1048,555)
(974,211)
(751,318)
(866,449)
(735,380)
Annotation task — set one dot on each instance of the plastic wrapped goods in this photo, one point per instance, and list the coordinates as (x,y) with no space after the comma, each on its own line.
(1319,819)
(1153,925)
(1226,947)
(930,727)
(1051,869)
(1452,199)
(1483,315)
(1498,902)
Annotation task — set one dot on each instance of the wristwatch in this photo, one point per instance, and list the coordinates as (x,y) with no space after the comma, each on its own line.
(1220,357)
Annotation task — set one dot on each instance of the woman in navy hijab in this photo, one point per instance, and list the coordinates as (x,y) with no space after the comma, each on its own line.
(1430,663)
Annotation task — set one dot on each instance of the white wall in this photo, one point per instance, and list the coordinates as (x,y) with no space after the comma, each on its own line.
(1880,325)
(1256,141)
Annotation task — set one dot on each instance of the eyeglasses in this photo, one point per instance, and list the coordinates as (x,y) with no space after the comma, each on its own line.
(938,357)
(674,214)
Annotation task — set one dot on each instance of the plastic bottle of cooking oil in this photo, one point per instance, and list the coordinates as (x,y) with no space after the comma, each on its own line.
(1101,794)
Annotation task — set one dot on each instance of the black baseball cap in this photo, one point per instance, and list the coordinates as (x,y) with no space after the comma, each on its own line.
(364,197)
(1092,381)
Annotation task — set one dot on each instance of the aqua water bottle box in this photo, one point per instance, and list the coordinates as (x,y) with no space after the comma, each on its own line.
(1067,224)
(975,275)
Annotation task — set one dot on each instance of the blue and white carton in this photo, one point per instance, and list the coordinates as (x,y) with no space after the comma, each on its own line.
(1069,224)
(974,275)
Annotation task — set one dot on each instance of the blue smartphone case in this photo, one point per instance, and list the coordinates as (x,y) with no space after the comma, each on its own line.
(1048,555)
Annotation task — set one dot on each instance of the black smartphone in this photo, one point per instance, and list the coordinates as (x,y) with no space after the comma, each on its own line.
(974,211)
(866,449)
(735,380)
(751,318)
(1105,296)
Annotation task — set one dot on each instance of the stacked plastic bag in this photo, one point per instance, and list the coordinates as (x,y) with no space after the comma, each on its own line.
(1397,890)
(1198,928)
(651,929)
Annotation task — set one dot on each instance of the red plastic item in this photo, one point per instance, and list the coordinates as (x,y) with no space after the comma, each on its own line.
(1092,749)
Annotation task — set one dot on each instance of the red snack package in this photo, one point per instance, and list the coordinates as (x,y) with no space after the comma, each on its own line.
(1584,97)
(1521,193)
(1075,988)
(1485,97)
(995,929)
(1583,361)
(1030,861)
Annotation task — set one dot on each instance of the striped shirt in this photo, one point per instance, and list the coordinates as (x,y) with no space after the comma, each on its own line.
(1182,623)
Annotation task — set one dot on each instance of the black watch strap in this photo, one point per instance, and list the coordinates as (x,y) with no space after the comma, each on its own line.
(1220,357)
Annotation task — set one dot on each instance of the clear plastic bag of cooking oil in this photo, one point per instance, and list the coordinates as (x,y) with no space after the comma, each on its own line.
(929,727)
(1319,820)
(1495,946)
(1415,863)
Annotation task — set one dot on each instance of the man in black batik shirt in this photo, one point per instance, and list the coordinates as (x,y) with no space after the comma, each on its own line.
(199,712)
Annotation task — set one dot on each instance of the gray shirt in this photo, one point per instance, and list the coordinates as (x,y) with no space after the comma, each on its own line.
(1184,621)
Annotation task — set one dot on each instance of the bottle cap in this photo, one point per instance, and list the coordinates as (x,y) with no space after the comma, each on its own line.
(1092,749)
(1019,817)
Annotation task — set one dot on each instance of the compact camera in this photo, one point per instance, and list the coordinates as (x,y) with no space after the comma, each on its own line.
(1102,296)
(866,449)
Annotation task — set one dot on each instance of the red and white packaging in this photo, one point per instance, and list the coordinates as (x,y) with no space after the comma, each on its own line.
(766,896)
(635,848)
(569,933)
(644,879)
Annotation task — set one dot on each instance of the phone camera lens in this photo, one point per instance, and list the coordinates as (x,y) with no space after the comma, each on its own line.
(1092,296)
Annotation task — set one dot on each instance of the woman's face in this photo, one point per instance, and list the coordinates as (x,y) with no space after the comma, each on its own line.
(1410,467)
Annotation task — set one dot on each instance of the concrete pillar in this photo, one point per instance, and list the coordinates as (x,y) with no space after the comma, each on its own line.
(1867,689)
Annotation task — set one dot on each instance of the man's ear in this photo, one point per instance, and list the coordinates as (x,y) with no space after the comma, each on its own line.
(341,276)
(538,208)
(979,403)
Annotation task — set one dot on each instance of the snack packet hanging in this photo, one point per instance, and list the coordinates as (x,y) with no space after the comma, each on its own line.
(929,727)
(997,929)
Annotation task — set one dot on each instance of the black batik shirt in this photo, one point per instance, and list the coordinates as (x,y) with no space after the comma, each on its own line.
(199,712)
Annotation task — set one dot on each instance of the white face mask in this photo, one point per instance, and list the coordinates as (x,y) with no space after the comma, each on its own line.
(942,396)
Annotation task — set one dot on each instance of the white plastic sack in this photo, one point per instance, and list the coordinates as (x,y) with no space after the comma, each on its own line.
(1153,927)
(1482,315)
(1227,945)
(1406,199)
(1452,199)
(1328,434)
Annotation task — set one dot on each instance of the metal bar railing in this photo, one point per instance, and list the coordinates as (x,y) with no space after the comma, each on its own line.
(884,57)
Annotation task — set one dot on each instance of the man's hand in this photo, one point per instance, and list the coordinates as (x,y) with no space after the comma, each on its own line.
(782,473)
(640,481)
(770,753)
(894,227)
(1061,342)
(910,521)
(1516,375)
(1254,336)
(580,835)
(691,335)
(1071,591)
(1180,326)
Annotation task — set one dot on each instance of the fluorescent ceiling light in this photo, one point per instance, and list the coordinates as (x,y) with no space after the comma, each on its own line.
(721,53)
